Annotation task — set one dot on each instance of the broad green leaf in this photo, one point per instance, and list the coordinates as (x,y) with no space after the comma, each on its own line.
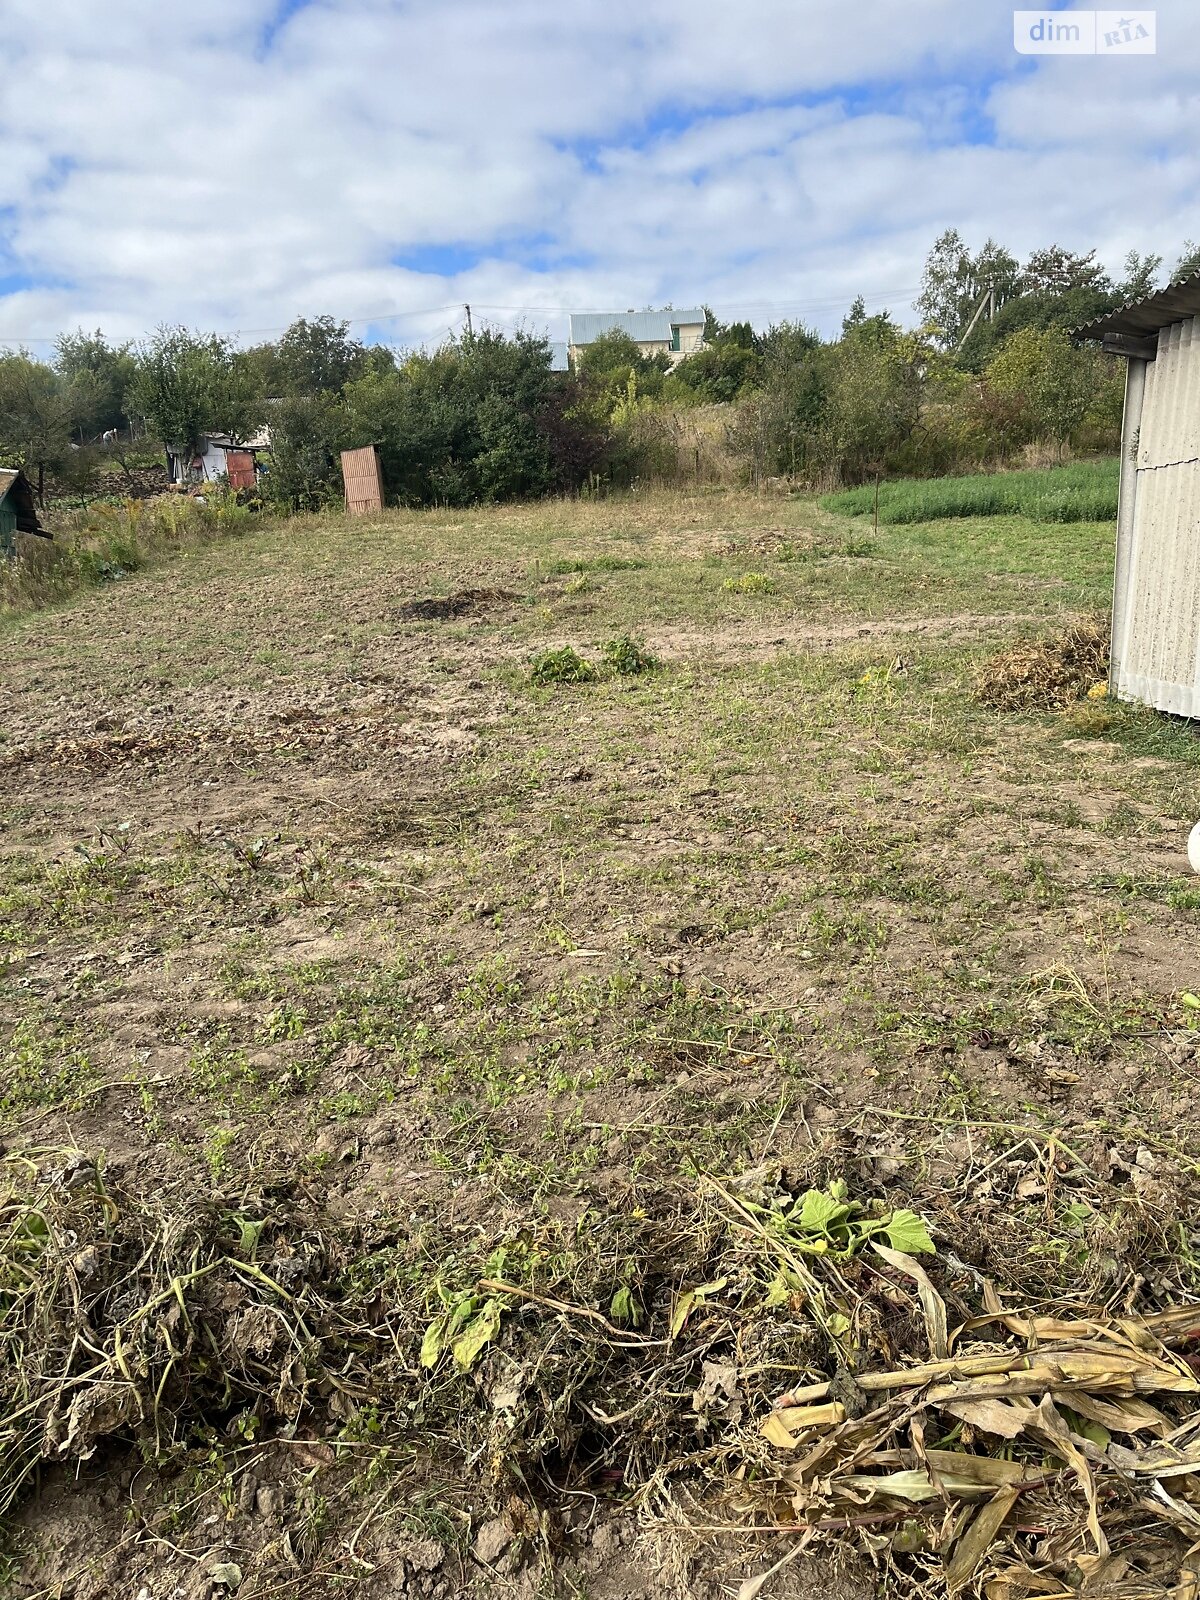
(625,1308)
(907,1232)
(461,1312)
(480,1331)
(434,1341)
(779,1291)
(838,1324)
(820,1212)
(248,1233)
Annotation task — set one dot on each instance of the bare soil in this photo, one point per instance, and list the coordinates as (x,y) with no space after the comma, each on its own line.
(308,901)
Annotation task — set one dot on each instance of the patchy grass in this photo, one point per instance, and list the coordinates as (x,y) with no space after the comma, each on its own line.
(387,994)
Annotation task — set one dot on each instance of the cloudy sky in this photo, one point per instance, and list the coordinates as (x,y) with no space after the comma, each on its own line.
(232,164)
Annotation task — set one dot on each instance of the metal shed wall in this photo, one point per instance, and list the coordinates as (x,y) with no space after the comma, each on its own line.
(1156,602)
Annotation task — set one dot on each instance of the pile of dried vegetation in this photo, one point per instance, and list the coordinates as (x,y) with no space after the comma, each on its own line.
(736,1357)
(1047,674)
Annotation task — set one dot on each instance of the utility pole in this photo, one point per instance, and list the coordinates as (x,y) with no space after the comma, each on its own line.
(470,329)
(988,300)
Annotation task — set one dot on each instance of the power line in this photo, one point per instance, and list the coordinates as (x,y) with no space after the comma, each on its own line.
(252,333)
(375,317)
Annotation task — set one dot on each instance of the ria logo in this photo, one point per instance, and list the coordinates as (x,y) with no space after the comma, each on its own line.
(1085,33)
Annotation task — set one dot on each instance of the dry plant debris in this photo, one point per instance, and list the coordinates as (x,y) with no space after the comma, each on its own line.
(1023,1453)
(1068,1451)
(1047,674)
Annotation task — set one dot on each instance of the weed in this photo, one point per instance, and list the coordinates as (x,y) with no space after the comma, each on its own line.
(41,1066)
(216,1151)
(628,657)
(750,583)
(598,564)
(560,666)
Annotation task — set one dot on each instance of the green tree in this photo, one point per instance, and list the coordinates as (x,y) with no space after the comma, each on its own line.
(719,373)
(955,281)
(872,404)
(1056,270)
(38,411)
(880,329)
(187,384)
(308,434)
(1054,381)
(1189,262)
(777,423)
(471,421)
(1140,276)
(314,357)
(100,374)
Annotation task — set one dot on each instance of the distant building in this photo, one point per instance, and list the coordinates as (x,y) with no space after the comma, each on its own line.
(1156,595)
(674,333)
(219,455)
(558,356)
(18,510)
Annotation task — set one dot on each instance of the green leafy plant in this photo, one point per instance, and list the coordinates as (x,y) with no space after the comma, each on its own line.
(826,1222)
(628,657)
(465,1328)
(560,666)
(750,583)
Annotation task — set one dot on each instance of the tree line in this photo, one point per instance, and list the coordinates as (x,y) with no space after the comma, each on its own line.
(988,370)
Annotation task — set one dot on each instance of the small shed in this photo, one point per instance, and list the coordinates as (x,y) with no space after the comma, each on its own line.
(1156,593)
(18,509)
(219,455)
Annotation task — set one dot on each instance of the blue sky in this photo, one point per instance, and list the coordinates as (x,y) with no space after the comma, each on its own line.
(235,165)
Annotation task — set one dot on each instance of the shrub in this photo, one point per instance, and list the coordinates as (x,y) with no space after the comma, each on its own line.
(560,666)
(628,657)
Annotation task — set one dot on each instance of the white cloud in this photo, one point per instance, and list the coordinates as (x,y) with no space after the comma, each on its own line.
(158,164)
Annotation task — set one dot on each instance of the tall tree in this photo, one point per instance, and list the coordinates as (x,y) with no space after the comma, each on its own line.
(317,357)
(187,384)
(38,409)
(955,281)
(1140,276)
(1056,270)
(100,374)
(1189,261)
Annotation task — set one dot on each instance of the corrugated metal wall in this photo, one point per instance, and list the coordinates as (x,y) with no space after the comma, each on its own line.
(1156,611)
(363,477)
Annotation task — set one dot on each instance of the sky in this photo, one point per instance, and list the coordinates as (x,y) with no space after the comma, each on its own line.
(235,164)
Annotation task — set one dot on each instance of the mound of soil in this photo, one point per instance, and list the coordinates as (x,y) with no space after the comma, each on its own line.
(443,608)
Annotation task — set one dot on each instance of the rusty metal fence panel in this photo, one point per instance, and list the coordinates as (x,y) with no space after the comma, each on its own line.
(363,477)
(239,469)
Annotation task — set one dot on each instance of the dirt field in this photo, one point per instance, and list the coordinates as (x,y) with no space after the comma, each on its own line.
(342,970)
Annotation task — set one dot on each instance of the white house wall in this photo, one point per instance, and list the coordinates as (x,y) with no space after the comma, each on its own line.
(1156,612)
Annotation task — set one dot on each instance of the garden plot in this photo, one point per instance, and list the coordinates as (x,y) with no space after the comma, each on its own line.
(559,1094)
